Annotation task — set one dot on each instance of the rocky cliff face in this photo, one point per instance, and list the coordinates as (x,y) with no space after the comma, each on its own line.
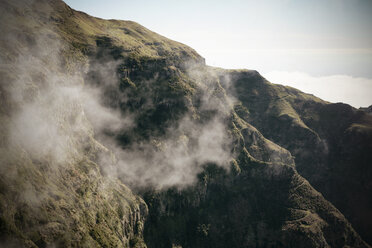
(52,191)
(330,142)
(216,158)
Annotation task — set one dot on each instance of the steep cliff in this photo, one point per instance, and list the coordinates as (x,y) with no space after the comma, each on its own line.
(90,105)
(330,142)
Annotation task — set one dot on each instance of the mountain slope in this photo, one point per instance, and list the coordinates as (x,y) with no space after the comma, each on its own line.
(52,192)
(330,142)
(194,141)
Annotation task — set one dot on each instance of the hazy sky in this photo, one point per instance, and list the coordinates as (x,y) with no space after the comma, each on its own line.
(279,38)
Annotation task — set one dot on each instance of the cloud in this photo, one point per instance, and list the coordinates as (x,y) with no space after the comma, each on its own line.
(60,116)
(52,114)
(173,160)
(57,117)
(356,91)
(190,143)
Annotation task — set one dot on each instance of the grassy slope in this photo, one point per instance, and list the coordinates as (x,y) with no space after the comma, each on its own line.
(330,142)
(44,203)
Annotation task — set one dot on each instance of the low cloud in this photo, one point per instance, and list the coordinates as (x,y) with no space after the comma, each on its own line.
(189,144)
(174,160)
(58,115)
(356,91)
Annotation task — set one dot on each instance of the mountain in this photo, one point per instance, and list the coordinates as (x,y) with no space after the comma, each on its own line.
(115,136)
(330,142)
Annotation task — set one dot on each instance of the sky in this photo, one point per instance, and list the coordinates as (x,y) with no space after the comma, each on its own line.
(323,47)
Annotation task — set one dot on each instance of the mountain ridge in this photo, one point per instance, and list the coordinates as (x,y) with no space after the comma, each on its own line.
(254,198)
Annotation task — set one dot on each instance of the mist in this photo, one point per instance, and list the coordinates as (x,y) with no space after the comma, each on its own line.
(356,91)
(59,117)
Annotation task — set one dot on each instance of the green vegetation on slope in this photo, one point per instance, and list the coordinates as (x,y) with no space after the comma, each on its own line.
(258,200)
(330,142)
